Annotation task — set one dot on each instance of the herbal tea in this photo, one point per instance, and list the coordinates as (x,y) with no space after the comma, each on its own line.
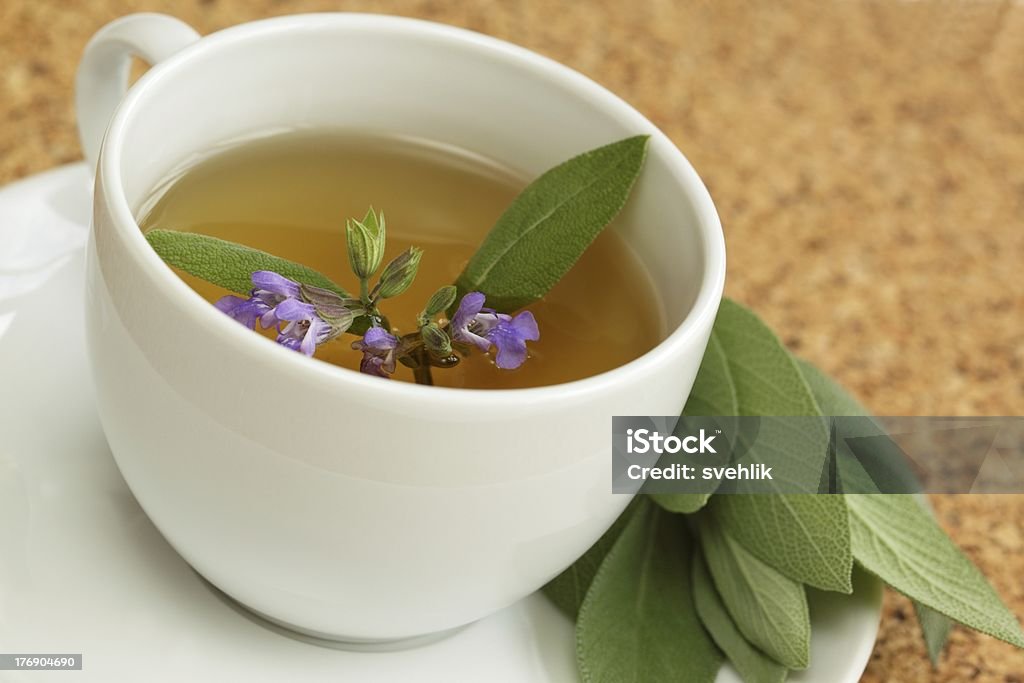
(290,195)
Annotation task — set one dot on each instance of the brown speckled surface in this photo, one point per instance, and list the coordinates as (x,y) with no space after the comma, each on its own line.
(867,159)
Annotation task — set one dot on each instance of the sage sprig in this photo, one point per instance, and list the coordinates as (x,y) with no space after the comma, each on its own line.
(535,242)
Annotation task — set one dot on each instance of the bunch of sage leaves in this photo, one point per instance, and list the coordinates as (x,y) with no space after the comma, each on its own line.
(694,579)
(682,582)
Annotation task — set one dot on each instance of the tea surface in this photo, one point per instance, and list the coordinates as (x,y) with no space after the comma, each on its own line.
(290,194)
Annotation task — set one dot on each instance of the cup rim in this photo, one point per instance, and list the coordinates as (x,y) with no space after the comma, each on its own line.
(699,317)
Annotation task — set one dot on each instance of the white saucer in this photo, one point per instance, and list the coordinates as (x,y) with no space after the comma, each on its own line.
(82,570)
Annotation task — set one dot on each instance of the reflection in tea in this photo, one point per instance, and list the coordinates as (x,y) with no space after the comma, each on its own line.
(290,194)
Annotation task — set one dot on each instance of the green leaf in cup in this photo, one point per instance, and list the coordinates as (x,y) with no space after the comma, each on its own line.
(228,264)
(549,226)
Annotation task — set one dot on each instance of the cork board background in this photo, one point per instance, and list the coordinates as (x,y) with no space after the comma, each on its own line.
(867,159)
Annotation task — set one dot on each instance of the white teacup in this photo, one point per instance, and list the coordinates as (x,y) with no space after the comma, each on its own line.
(334,503)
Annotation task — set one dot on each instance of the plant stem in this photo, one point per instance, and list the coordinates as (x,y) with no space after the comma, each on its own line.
(422,371)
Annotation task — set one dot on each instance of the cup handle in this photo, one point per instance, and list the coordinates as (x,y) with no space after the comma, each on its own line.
(102,78)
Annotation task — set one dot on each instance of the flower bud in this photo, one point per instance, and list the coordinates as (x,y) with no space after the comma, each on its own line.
(399,274)
(319,295)
(439,301)
(365,241)
(333,308)
(436,340)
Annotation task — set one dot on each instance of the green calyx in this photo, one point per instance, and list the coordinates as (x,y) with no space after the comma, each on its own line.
(365,240)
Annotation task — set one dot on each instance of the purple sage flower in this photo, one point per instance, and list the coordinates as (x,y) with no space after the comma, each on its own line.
(470,323)
(302,329)
(245,311)
(273,289)
(276,301)
(510,336)
(482,327)
(378,349)
(269,290)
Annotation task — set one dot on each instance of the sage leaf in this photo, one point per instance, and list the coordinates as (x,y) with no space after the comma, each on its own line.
(767,379)
(638,621)
(568,589)
(752,665)
(883,469)
(761,523)
(935,628)
(227,264)
(806,537)
(547,227)
(713,394)
(896,539)
(682,503)
(768,608)
(834,400)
